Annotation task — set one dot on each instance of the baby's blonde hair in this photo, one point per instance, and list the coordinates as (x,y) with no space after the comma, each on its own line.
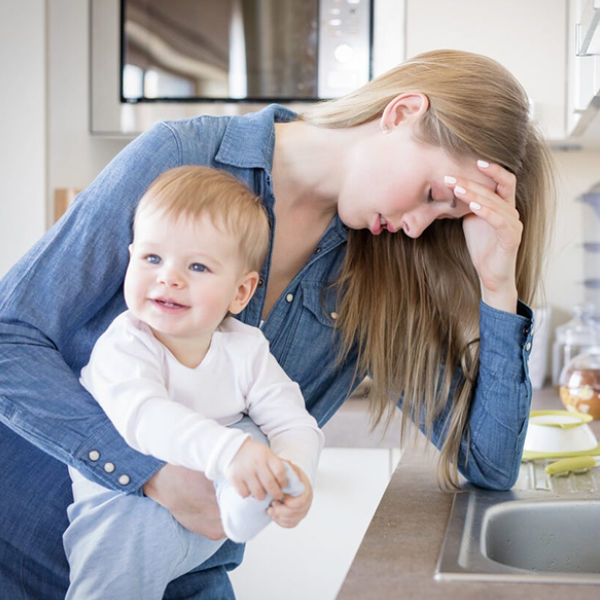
(192,191)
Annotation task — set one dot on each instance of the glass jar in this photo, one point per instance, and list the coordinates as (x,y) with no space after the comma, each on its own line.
(580,383)
(574,337)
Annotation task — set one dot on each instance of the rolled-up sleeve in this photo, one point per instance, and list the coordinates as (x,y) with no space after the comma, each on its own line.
(492,443)
(491,449)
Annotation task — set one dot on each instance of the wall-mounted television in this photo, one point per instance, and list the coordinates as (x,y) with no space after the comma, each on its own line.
(158,59)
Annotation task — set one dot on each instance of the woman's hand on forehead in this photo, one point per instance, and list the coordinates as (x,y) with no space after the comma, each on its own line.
(493,231)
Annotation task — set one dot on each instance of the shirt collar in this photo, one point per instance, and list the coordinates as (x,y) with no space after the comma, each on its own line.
(249,140)
(248,143)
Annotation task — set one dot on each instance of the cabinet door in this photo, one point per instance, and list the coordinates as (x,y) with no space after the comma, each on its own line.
(528,38)
(583,75)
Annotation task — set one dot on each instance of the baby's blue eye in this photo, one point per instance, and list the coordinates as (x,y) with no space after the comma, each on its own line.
(153,259)
(198,267)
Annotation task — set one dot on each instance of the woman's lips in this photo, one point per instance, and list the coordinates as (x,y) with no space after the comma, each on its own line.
(380,223)
(376,227)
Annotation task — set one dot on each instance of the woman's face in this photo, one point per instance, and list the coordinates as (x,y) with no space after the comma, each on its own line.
(395,182)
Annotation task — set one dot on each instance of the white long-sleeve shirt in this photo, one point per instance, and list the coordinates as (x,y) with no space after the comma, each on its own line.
(180,414)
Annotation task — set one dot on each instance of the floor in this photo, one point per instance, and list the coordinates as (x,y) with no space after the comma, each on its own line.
(311,560)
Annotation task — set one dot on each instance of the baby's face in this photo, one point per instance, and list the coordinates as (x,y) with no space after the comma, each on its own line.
(183,275)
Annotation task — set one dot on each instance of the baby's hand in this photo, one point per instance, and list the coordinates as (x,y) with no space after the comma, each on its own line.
(292,509)
(256,471)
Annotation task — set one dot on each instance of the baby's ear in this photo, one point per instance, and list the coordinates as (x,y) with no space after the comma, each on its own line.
(245,290)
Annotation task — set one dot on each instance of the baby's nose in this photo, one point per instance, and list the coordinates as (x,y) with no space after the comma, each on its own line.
(170,278)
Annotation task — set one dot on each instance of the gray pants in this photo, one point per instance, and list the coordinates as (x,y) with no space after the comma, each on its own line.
(123,547)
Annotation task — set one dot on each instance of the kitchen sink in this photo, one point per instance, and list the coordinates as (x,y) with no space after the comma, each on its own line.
(522,535)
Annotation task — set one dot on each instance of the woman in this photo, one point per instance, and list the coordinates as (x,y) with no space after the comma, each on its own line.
(407,222)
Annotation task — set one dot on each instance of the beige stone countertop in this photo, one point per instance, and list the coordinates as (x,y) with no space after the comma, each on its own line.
(398,555)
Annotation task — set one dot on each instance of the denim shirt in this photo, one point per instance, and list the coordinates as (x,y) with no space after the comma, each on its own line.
(65,291)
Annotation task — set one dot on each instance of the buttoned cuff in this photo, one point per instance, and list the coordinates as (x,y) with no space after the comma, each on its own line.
(106,458)
(505,339)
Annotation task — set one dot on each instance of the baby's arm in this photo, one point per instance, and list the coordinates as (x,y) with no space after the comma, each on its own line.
(275,403)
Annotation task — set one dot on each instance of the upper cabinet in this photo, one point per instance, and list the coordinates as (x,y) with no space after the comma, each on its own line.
(583,102)
(528,38)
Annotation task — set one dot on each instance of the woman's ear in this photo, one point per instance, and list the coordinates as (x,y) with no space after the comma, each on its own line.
(245,290)
(402,108)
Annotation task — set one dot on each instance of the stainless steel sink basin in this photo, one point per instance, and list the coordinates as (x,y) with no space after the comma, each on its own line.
(522,536)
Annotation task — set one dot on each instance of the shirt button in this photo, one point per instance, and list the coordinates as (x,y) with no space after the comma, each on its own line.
(93,455)
(333,315)
(317,249)
(109,467)
(289,297)
(261,282)
(124,479)
(528,346)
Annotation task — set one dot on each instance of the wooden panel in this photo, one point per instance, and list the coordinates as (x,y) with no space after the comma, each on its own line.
(62,198)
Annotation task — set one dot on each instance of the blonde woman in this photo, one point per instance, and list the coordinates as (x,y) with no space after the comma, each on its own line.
(407,228)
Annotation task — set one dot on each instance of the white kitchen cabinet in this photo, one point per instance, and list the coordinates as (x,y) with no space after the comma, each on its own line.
(583,68)
(528,38)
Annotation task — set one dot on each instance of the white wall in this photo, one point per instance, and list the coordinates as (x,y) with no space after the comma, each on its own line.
(23,137)
(75,156)
(528,38)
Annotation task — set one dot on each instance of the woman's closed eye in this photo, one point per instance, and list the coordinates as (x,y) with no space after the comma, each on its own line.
(451,201)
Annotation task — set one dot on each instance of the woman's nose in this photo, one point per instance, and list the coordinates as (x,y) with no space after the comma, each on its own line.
(414,223)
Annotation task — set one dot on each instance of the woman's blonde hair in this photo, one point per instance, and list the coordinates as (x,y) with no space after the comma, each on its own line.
(192,192)
(412,305)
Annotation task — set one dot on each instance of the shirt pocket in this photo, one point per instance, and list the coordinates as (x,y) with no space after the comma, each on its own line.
(312,348)
(319,300)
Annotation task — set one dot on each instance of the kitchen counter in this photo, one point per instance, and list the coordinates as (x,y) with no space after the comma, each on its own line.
(398,555)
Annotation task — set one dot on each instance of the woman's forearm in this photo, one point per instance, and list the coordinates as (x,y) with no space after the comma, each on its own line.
(41,399)
(491,447)
(56,301)
(501,402)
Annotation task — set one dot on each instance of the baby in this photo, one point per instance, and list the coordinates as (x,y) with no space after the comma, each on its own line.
(184,381)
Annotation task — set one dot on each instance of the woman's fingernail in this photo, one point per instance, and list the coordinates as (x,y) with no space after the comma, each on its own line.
(449,179)
(483,164)
(474,206)
(459,190)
